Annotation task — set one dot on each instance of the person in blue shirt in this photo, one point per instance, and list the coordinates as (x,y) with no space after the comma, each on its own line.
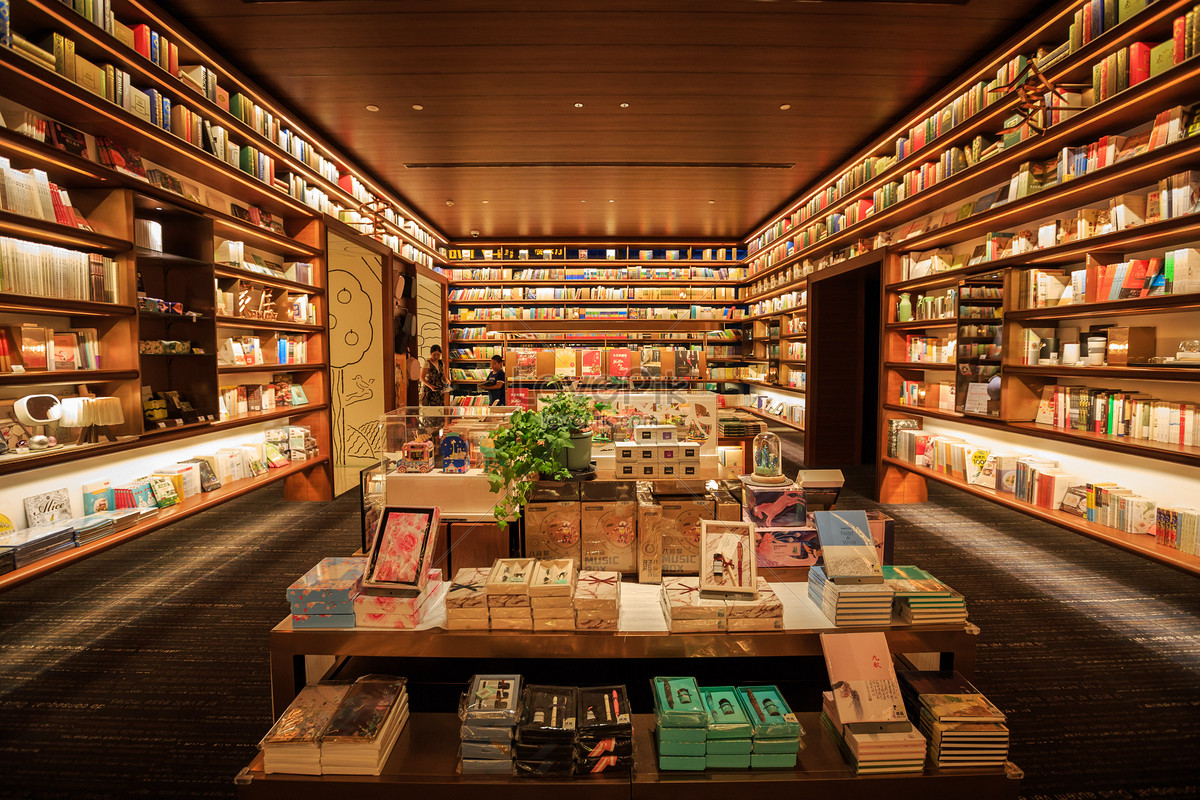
(495,383)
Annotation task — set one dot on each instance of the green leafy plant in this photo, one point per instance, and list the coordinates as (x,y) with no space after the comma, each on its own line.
(526,449)
(569,412)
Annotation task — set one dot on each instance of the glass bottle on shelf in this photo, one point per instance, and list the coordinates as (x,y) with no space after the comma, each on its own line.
(768,463)
(904,308)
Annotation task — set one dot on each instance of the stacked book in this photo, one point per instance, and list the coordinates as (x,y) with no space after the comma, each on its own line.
(33,544)
(685,610)
(761,613)
(604,741)
(324,596)
(739,426)
(338,728)
(680,724)
(864,710)
(963,727)
(545,743)
(597,601)
(777,732)
(466,600)
(124,518)
(93,527)
(489,715)
(849,587)
(551,595)
(389,611)
(508,594)
(850,604)
(922,598)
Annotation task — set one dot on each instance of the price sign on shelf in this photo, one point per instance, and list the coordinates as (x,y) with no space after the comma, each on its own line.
(977,398)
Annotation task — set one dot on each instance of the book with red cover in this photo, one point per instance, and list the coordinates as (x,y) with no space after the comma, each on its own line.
(1139,62)
(620,361)
(141,39)
(120,157)
(591,363)
(1135,278)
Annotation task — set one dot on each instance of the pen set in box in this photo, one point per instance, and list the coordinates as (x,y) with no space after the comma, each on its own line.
(545,744)
(605,741)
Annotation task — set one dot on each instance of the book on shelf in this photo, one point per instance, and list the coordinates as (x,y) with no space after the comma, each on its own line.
(866,694)
(48,508)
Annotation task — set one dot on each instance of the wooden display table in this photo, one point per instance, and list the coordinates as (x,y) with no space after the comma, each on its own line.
(425,760)
(642,636)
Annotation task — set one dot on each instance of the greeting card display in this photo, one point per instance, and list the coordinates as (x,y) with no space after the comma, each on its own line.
(402,551)
(727,563)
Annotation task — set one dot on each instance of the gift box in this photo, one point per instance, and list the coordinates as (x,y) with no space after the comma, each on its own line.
(775,506)
(677,704)
(727,718)
(761,613)
(525,624)
(402,551)
(609,526)
(468,589)
(553,623)
(682,516)
(553,612)
(322,621)
(491,701)
(456,453)
(585,621)
(510,612)
(481,732)
(457,620)
(728,747)
(547,604)
(328,588)
(386,604)
(651,530)
(416,456)
(553,578)
(681,600)
(769,714)
(727,565)
(598,592)
(508,582)
(786,547)
(472,766)
(552,521)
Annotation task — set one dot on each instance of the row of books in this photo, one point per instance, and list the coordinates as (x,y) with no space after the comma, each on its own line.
(592,254)
(31,348)
(44,270)
(573,313)
(476,353)
(609,293)
(1131,415)
(923,349)
(281,392)
(970,102)
(1176,272)
(31,193)
(1034,480)
(246,351)
(784,302)
(931,394)
(1128,66)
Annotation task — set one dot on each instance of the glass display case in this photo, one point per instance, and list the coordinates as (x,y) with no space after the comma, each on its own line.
(694,415)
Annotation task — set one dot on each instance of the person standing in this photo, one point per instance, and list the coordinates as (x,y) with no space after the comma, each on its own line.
(433,379)
(495,383)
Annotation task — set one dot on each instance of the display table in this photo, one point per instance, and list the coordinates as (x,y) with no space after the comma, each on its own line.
(425,759)
(642,634)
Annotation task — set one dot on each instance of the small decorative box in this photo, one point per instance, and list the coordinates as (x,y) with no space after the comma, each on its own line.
(456,453)
(763,613)
(328,588)
(769,713)
(590,621)
(553,578)
(322,621)
(402,551)
(774,506)
(510,578)
(468,589)
(598,592)
(727,719)
(727,562)
(677,703)
(416,456)
(510,612)
(491,701)
(681,595)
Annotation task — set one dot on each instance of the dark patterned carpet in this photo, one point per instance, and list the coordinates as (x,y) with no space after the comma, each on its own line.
(141,672)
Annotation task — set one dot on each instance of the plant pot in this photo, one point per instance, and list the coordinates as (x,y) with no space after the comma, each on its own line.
(578,456)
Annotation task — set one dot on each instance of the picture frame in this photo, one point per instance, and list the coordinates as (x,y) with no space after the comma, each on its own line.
(727,558)
(402,551)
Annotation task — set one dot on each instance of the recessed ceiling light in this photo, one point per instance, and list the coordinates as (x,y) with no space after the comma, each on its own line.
(418,107)
(612,201)
(583,201)
(449,202)
(785,106)
(485,202)
(624,105)
(372,107)
(712,202)
(579,105)
(158,208)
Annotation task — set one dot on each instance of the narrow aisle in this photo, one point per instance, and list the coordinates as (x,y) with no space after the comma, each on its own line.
(142,671)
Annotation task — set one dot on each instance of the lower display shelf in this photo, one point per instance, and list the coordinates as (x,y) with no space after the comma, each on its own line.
(165,516)
(773,418)
(894,489)
(425,759)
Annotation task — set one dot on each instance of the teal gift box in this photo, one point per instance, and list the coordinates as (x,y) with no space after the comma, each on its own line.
(727,718)
(696,763)
(776,747)
(773,760)
(727,761)
(729,747)
(677,703)
(769,713)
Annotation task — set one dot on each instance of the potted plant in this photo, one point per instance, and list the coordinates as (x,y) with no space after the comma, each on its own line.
(573,415)
(524,450)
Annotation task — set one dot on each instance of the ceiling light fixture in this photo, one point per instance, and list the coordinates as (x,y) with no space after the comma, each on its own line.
(785,106)
(579,105)
(712,202)
(583,201)
(449,202)
(485,202)
(624,105)
(372,107)
(418,107)
(612,201)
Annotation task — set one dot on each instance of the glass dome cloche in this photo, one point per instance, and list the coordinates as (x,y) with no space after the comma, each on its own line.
(768,461)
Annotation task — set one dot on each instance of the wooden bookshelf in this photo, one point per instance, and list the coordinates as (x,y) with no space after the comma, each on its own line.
(186,508)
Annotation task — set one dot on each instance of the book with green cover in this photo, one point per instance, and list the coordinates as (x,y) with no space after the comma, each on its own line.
(965,707)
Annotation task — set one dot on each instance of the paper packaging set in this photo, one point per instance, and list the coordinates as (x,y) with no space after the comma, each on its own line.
(722,727)
(609,526)
(682,515)
(597,601)
(551,595)
(552,521)
(330,596)
(466,600)
(655,452)
(508,594)
(489,717)
(545,743)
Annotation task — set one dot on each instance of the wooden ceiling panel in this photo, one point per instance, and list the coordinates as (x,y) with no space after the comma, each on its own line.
(704,82)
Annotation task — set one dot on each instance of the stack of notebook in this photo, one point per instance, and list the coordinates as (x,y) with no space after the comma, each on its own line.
(853,603)
(922,598)
(33,544)
(848,587)
(963,727)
